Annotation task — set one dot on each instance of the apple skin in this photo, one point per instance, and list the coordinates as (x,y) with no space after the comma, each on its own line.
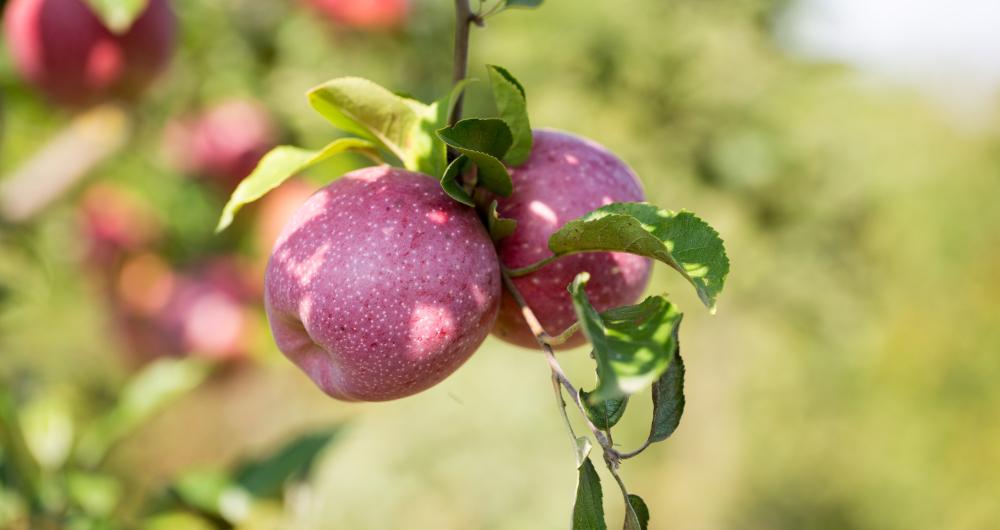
(381,285)
(365,14)
(64,50)
(224,143)
(564,178)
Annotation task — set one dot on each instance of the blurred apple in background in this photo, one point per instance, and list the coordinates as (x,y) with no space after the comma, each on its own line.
(204,311)
(365,14)
(276,208)
(115,221)
(64,50)
(222,144)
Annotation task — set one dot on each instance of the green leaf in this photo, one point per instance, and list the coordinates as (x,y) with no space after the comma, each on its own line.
(523,3)
(95,494)
(47,424)
(668,399)
(396,123)
(437,118)
(484,141)
(451,181)
(118,15)
(280,164)
(213,492)
(152,389)
(680,240)
(588,511)
(512,105)
(636,513)
(603,414)
(499,227)
(176,520)
(267,477)
(632,345)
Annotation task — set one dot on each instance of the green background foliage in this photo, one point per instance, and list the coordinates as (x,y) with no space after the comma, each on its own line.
(848,380)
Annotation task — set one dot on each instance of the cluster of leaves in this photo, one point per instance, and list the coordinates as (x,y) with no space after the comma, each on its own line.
(54,464)
(390,127)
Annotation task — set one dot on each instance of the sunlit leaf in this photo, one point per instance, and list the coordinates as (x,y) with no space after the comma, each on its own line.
(485,142)
(280,164)
(588,510)
(512,105)
(632,345)
(679,239)
(395,123)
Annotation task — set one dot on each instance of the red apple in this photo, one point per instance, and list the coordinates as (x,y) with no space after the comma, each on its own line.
(365,14)
(208,312)
(63,49)
(381,285)
(565,177)
(115,222)
(224,143)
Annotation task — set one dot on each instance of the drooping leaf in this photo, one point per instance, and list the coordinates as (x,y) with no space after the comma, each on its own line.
(451,181)
(636,513)
(395,123)
(499,227)
(679,239)
(266,477)
(588,510)
(118,15)
(280,164)
(631,345)
(668,399)
(512,105)
(485,142)
(603,414)
(152,389)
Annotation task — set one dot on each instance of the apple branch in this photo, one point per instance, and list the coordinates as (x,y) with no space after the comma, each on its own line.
(611,456)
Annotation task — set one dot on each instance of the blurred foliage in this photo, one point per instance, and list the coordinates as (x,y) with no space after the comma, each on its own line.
(847,382)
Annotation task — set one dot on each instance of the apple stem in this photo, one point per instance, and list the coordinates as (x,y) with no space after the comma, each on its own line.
(463,21)
(611,455)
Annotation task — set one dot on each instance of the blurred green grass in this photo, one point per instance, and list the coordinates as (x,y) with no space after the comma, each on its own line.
(847,382)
